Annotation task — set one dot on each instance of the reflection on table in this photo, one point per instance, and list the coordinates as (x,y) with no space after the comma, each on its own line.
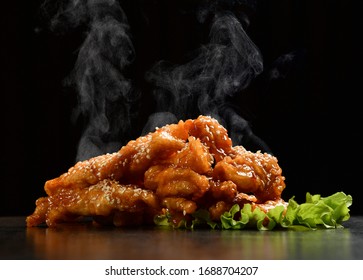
(84,241)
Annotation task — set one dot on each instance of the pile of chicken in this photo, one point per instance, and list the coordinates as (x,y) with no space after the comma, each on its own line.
(177,170)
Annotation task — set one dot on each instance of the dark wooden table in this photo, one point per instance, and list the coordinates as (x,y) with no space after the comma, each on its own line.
(84,241)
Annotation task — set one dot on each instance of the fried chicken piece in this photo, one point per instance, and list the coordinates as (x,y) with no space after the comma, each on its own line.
(103,199)
(211,134)
(39,215)
(243,198)
(179,209)
(256,173)
(128,164)
(176,182)
(222,196)
(180,205)
(150,150)
(270,204)
(226,191)
(194,155)
(218,209)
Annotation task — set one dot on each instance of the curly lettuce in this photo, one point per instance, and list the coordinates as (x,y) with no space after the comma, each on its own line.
(315,213)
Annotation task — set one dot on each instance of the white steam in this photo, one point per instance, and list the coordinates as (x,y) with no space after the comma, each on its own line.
(221,69)
(105,94)
(218,70)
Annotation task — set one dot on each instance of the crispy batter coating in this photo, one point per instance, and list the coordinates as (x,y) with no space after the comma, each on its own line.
(177,169)
(211,134)
(194,156)
(102,199)
(128,164)
(257,173)
(176,182)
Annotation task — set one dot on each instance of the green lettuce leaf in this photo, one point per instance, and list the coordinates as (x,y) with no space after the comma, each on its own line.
(319,212)
(162,220)
(248,218)
(202,217)
(315,213)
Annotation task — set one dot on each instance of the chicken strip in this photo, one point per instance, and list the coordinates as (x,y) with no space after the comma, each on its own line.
(127,165)
(104,199)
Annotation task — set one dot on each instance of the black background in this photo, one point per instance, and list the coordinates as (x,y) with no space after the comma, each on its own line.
(310,116)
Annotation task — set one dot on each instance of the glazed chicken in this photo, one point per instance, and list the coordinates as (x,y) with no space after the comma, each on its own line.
(177,169)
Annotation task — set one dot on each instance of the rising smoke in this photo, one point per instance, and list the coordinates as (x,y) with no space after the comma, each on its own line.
(218,70)
(223,67)
(105,94)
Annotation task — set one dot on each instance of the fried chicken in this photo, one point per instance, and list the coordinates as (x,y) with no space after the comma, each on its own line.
(177,169)
(104,199)
(256,173)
